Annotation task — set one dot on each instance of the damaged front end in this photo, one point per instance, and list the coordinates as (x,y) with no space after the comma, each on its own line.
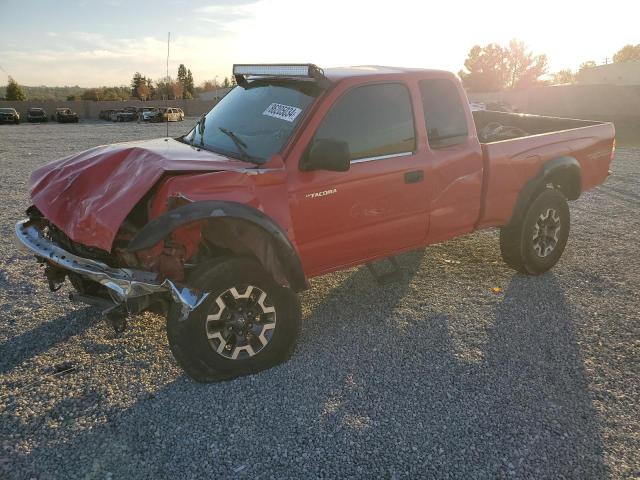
(92,208)
(120,291)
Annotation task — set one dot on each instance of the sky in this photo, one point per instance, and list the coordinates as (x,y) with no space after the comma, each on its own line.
(93,43)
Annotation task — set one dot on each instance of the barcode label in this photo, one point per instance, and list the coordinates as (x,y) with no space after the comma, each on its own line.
(283,112)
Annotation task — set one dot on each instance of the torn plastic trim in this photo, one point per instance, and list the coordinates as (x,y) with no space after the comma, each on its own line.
(122,283)
(160,227)
(185,298)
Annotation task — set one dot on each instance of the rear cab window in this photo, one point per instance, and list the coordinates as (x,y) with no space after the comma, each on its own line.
(444,114)
(376,121)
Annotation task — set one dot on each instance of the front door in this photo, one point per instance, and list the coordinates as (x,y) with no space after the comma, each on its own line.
(380,204)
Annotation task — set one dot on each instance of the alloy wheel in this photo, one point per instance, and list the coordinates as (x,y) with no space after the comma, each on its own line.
(243,324)
(545,233)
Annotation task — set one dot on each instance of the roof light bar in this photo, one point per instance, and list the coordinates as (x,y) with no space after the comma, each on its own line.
(309,70)
(276,70)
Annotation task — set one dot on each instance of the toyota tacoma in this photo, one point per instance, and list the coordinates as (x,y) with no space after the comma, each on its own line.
(298,172)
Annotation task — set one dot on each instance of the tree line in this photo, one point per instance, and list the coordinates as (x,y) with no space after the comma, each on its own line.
(494,67)
(141,88)
(487,69)
(144,88)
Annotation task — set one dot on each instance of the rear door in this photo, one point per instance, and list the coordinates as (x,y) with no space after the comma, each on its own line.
(380,204)
(455,160)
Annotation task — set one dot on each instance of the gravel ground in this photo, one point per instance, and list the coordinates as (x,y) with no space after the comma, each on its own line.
(434,376)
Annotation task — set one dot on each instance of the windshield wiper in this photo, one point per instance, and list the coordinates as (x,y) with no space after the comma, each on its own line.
(241,145)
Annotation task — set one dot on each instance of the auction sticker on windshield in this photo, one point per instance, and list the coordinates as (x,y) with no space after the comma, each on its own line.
(283,112)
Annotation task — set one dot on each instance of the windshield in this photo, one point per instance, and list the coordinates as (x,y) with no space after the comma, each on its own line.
(7,110)
(254,121)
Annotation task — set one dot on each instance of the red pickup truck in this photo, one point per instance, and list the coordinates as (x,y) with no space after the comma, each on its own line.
(297,172)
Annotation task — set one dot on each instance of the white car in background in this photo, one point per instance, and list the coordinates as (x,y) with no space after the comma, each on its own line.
(147,113)
(172,115)
(163,114)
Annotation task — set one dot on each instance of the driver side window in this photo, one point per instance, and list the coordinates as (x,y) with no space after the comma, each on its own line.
(374,120)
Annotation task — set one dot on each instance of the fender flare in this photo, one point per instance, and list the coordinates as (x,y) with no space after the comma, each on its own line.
(558,168)
(162,226)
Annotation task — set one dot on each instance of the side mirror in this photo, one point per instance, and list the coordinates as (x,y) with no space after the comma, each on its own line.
(328,154)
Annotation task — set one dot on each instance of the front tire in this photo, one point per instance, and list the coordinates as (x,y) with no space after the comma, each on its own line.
(248,322)
(534,244)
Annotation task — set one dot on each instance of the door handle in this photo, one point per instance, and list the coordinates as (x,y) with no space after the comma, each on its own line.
(414,177)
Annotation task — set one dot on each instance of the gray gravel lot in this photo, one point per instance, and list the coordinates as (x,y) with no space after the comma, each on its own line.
(435,376)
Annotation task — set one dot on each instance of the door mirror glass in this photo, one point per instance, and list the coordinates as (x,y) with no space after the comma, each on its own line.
(328,154)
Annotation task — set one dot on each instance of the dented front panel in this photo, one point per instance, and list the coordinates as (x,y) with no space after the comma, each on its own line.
(88,195)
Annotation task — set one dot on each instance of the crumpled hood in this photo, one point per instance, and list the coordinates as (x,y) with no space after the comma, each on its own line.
(88,195)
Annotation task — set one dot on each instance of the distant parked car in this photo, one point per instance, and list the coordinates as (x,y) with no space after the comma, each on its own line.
(145,113)
(36,115)
(127,114)
(151,114)
(158,116)
(105,114)
(9,115)
(172,115)
(65,115)
(167,114)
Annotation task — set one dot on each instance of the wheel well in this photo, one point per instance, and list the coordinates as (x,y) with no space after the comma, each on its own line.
(222,236)
(230,227)
(562,173)
(567,180)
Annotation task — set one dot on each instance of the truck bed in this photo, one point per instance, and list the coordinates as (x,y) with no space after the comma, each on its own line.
(510,163)
(529,124)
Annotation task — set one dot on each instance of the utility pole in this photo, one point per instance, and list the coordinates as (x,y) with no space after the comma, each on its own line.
(166,104)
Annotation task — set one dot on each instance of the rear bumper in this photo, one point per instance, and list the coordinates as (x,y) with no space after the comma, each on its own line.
(123,283)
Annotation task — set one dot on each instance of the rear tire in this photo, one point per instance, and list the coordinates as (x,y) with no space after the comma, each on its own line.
(534,244)
(248,322)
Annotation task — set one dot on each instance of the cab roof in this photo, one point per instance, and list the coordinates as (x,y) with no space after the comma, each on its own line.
(325,76)
(338,73)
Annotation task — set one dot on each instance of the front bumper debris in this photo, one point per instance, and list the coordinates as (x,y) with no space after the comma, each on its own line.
(122,283)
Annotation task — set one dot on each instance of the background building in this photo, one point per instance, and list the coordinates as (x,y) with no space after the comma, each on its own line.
(627,73)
